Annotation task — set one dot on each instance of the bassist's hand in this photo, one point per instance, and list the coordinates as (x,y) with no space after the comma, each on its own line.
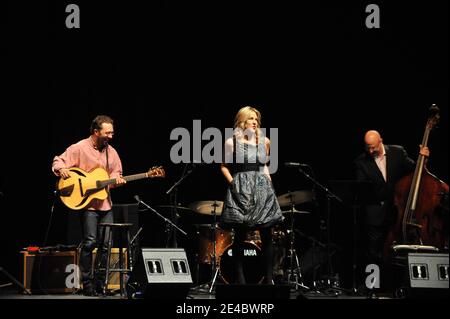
(424,151)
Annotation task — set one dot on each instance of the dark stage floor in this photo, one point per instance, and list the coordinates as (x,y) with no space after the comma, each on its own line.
(220,292)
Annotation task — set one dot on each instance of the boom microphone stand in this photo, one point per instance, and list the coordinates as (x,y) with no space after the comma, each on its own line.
(173,192)
(168,221)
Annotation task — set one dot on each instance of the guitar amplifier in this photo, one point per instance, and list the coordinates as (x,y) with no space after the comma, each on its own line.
(114,277)
(49,272)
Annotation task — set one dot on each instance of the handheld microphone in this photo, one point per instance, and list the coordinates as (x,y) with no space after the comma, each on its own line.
(136,197)
(293,164)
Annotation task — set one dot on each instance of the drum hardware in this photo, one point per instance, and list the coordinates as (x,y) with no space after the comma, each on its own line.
(315,262)
(294,211)
(222,237)
(290,199)
(279,252)
(215,208)
(325,224)
(204,207)
(294,273)
(214,258)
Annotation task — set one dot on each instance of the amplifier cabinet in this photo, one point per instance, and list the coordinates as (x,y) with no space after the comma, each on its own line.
(49,272)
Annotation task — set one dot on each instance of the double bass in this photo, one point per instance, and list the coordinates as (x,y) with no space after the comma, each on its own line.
(421,200)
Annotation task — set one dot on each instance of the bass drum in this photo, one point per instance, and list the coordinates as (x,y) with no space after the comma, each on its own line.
(222,237)
(252,263)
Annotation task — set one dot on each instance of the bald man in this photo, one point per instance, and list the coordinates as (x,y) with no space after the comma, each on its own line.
(384,165)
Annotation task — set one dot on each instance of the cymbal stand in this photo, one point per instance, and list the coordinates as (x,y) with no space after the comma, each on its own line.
(214,267)
(314,243)
(214,264)
(15,281)
(294,274)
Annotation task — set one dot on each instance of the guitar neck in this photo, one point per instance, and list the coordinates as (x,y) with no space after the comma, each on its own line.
(128,178)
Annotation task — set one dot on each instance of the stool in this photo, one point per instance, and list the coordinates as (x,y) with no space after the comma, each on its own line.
(106,229)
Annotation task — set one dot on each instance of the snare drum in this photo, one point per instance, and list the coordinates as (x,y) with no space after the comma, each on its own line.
(252,263)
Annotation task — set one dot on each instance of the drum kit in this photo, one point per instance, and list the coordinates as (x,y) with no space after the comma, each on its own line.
(215,245)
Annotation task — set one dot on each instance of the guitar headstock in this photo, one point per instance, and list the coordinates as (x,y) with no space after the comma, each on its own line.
(156,171)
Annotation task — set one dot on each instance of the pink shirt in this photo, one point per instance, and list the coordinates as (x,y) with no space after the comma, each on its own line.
(83,155)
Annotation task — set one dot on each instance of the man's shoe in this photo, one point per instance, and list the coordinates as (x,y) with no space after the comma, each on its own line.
(89,291)
(99,288)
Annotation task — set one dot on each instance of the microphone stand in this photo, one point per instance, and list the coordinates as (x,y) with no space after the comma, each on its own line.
(330,196)
(173,192)
(168,221)
(132,248)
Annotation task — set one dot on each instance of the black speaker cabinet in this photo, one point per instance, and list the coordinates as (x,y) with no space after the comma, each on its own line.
(252,291)
(160,273)
(49,272)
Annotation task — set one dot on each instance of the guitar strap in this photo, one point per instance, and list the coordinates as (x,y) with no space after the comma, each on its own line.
(107,161)
(107,169)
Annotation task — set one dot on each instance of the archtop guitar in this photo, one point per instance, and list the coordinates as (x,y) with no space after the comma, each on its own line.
(77,191)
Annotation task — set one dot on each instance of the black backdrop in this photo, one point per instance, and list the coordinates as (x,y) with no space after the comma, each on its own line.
(314,71)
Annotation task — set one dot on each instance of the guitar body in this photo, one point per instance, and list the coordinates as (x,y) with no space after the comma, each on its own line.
(77,191)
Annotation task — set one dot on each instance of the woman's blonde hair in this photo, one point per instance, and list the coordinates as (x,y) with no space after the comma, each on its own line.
(241,117)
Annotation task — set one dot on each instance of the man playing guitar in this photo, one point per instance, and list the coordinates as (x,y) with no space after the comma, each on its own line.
(89,154)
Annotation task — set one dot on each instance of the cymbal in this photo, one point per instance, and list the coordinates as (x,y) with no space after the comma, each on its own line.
(206,207)
(178,208)
(294,211)
(294,198)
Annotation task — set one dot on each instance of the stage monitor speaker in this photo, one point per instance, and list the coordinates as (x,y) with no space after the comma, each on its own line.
(421,275)
(428,270)
(160,273)
(252,291)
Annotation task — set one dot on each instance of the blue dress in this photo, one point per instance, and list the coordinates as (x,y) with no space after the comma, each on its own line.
(250,200)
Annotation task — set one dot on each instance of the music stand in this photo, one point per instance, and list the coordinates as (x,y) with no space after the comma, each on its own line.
(354,193)
(330,195)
